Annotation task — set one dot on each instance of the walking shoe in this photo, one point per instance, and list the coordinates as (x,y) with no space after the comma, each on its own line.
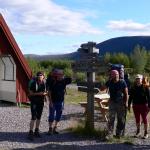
(55,131)
(117,136)
(145,135)
(50,131)
(108,137)
(37,134)
(138,134)
(30,135)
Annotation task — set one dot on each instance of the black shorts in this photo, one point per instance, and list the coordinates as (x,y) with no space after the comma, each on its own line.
(37,109)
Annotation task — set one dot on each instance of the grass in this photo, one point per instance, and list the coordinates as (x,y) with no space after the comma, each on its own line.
(79,128)
(23,105)
(74,96)
(126,140)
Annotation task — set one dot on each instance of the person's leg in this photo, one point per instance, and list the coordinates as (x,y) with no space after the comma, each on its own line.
(111,117)
(32,122)
(121,119)
(59,107)
(39,110)
(137,118)
(51,118)
(144,112)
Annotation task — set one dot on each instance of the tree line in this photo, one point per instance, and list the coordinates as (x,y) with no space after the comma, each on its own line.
(138,61)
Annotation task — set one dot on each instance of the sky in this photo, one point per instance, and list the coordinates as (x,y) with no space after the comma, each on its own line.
(45,27)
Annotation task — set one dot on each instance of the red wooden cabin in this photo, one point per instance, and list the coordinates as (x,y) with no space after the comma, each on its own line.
(14,70)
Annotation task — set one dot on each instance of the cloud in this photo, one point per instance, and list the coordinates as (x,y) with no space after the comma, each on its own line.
(130,26)
(44,17)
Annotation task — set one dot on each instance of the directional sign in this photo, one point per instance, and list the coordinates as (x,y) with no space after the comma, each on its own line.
(88,61)
(89,67)
(86,84)
(86,55)
(85,89)
(88,45)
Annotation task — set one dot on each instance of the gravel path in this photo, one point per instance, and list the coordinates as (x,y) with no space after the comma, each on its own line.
(14,123)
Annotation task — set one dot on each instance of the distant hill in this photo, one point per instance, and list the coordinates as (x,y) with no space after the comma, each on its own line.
(70,56)
(123,44)
(119,44)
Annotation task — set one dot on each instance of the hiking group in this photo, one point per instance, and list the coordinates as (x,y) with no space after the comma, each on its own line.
(122,96)
(52,88)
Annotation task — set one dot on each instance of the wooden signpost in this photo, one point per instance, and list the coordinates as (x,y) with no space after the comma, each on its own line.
(90,63)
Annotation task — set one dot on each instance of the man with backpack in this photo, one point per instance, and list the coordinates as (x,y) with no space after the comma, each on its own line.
(117,104)
(37,93)
(56,85)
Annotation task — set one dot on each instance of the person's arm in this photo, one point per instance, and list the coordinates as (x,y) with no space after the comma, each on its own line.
(148,96)
(31,93)
(50,98)
(130,99)
(105,86)
(125,92)
(49,85)
(126,97)
(68,80)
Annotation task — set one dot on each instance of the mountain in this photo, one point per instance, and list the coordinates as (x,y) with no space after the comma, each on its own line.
(70,56)
(119,44)
(123,44)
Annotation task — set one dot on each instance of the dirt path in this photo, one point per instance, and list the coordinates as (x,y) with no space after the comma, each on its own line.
(14,124)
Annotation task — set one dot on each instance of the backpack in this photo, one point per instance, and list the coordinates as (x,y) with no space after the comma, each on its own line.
(34,81)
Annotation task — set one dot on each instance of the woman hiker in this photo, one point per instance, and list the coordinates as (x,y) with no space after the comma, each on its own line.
(140,99)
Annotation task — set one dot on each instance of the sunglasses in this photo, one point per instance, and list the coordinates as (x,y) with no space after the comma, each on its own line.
(40,75)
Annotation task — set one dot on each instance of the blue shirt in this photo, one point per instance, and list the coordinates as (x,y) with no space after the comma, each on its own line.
(116,90)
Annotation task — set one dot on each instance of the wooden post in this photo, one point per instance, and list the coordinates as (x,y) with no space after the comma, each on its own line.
(88,62)
(90,100)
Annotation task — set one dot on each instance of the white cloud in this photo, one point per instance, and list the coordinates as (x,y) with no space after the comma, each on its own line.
(130,26)
(45,17)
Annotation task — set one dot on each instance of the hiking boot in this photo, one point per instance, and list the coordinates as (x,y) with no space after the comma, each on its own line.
(145,135)
(138,134)
(117,136)
(108,137)
(50,131)
(55,131)
(37,134)
(30,135)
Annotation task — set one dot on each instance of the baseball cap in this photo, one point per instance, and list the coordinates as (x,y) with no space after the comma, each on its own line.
(138,76)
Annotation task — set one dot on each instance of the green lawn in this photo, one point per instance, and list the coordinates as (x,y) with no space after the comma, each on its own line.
(74,96)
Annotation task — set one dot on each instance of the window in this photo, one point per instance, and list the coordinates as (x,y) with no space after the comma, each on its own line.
(9,68)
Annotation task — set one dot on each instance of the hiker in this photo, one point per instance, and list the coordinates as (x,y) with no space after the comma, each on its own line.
(56,85)
(37,93)
(145,81)
(117,103)
(140,99)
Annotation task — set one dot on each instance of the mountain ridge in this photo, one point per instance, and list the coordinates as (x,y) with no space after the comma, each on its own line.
(124,44)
